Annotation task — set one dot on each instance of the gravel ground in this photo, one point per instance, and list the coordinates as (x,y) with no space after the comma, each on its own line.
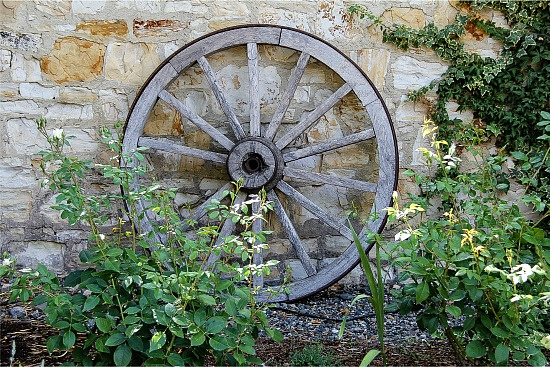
(319,318)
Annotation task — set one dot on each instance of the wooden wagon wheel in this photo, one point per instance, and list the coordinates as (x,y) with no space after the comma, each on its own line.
(261,148)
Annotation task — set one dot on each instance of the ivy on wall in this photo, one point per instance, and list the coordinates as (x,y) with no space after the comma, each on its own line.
(506,94)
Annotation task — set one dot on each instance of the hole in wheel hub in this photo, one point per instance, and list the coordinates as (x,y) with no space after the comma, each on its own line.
(254,163)
(257,161)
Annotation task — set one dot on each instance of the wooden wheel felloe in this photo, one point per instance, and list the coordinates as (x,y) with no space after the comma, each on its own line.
(259,141)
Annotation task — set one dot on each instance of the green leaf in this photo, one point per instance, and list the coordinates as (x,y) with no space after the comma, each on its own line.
(115,339)
(198,339)
(215,324)
(207,299)
(247,349)
(175,360)
(69,338)
(219,343)
(231,307)
(453,310)
(502,353)
(136,343)
(369,357)
(422,292)
(157,341)
(199,317)
(475,349)
(123,355)
(103,325)
(499,332)
(90,303)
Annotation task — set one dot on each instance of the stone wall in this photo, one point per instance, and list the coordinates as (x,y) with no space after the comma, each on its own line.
(80,64)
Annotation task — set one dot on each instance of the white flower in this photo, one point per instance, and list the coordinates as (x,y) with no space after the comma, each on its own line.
(515,298)
(102,237)
(57,134)
(403,235)
(7,262)
(521,273)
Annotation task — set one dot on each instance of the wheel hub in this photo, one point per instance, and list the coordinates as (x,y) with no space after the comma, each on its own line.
(257,161)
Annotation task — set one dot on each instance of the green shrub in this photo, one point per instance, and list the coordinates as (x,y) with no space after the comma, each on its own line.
(476,271)
(140,301)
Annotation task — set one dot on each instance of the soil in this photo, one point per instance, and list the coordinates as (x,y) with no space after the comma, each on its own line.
(30,349)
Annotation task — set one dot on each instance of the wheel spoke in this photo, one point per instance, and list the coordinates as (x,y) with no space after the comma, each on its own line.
(196,119)
(258,257)
(220,96)
(314,209)
(287,95)
(227,229)
(201,211)
(312,117)
(254,95)
(328,146)
(329,179)
(168,145)
(291,234)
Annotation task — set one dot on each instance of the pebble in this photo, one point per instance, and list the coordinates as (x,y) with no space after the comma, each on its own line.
(17,312)
(307,319)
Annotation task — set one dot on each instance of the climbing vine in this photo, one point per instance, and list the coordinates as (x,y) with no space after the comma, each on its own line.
(506,94)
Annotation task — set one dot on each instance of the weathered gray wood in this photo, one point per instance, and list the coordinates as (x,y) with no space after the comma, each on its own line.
(168,145)
(315,177)
(254,88)
(329,56)
(258,257)
(144,105)
(228,228)
(201,210)
(220,97)
(328,146)
(222,40)
(314,209)
(292,236)
(313,116)
(196,119)
(287,95)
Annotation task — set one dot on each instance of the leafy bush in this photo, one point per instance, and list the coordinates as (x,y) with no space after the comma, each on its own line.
(479,273)
(140,301)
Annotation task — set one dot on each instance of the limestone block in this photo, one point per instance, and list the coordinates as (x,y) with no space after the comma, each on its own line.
(271,15)
(215,25)
(130,63)
(15,205)
(25,69)
(374,62)
(20,41)
(485,47)
(410,73)
(114,104)
(445,13)
(22,107)
(23,138)
(32,253)
(7,11)
(9,90)
(452,110)
(64,111)
(158,28)
(336,244)
(73,60)
(302,94)
(56,8)
(87,6)
(278,246)
(35,90)
(5,60)
(332,19)
(183,199)
(409,118)
(77,95)
(15,176)
(326,129)
(142,6)
(411,17)
(108,28)
(234,82)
